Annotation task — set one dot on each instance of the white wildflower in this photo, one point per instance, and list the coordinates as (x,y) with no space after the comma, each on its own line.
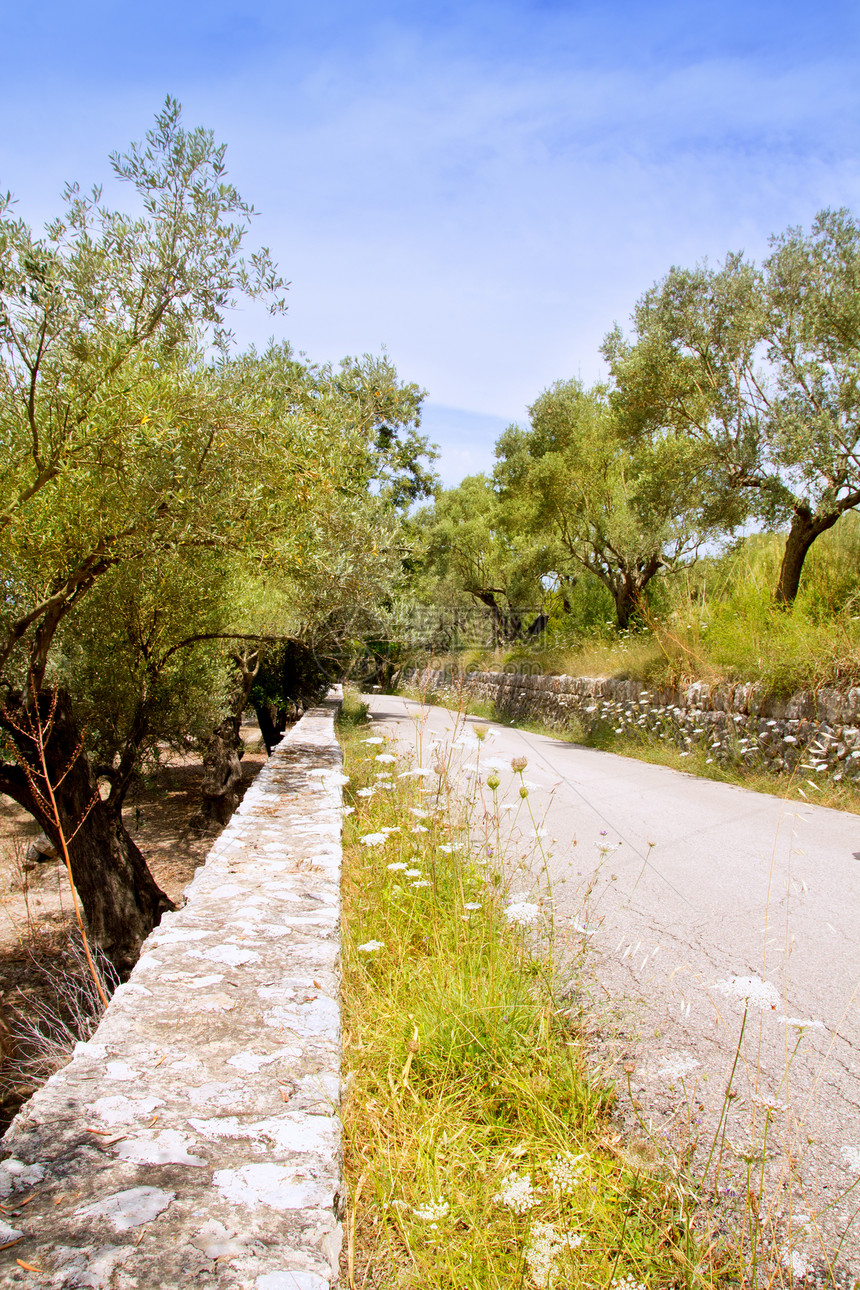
(770,1103)
(390,828)
(417,772)
(795,1263)
(418,812)
(626,1283)
(413,873)
(674,1067)
(386,758)
(448,850)
(381,778)
(801,1023)
(432,1211)
(421,883)
(565,1171)
(851,1156)
(370,947)
(544,1244)
(365,792)
(751,991)
(472,904)
(516,1193)
(373,741)
(397,865)
(418,828)
(522,914)
(374,839)
(347,810)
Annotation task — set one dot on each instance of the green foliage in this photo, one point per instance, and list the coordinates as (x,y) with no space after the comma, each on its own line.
(618,505)
(159,487)
(476,544)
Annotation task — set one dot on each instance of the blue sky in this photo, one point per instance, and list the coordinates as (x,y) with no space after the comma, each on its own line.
(483,188)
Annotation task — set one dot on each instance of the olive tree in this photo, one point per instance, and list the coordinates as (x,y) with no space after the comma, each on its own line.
(117,441)
(620,505)
(759,367)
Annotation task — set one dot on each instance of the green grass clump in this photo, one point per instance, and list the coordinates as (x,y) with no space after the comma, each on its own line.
(480,1150)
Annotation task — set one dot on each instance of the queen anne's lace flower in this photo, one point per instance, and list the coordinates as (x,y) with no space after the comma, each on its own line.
(851,1156)
(801,1023)
(387,758)
(522,913)
(565,1172)
(432,1211)
(374,839)
(751,991)
(370,947)
(516,1193)
(545,1243)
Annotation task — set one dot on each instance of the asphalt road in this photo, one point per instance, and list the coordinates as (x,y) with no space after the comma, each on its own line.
(682,888)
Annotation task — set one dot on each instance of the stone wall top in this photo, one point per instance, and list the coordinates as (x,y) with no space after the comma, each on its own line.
(195,1140)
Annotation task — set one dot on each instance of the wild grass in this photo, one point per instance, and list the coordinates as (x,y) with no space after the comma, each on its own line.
(65,1012)
(481,1149)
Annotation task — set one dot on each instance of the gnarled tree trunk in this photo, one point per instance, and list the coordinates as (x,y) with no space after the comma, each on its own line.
(121,900)
(805,528)
(221,760)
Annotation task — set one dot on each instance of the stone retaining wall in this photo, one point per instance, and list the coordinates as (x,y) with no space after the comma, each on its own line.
(814,733)
(195,1140)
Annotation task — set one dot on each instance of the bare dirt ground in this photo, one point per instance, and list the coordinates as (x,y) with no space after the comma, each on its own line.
(36,916)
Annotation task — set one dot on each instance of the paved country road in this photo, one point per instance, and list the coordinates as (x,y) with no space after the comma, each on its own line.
(682,888)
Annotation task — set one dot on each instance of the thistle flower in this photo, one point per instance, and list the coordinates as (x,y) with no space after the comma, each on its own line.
(518,764)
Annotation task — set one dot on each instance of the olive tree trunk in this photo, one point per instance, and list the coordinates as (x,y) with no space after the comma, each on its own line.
(120,899)
(222,758)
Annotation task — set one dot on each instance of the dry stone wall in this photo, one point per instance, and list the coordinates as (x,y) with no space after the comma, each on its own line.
(816,733)
(195,1140)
